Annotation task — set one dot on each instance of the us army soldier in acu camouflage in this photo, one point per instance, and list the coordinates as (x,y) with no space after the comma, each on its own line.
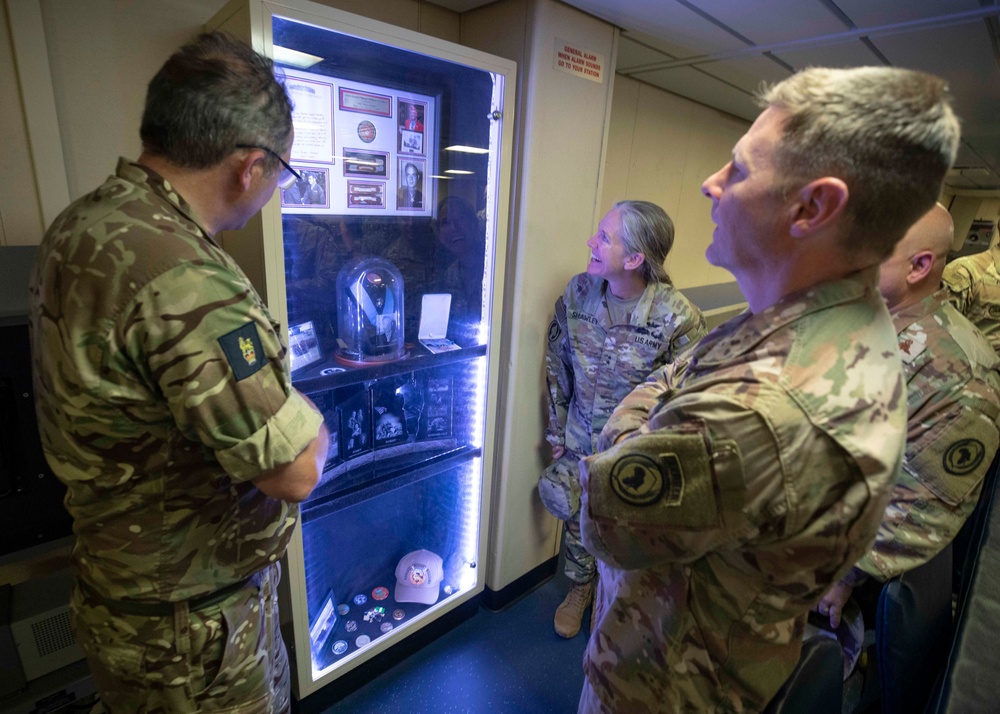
(164,402)
(953,388)
(735,486)
(613,325)
(974,284)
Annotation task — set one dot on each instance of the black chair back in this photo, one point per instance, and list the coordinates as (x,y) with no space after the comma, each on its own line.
(913,630)
(971,679)
(816,685)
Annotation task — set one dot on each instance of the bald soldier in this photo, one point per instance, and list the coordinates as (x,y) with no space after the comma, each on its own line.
(734,487)
(953,402)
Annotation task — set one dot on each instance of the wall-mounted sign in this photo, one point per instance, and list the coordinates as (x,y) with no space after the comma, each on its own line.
(578,61)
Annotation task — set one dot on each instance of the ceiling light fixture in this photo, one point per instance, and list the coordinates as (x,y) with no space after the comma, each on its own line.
(467,149)
(283,55)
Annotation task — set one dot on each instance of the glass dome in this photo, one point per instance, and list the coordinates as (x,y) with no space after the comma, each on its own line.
(370,312)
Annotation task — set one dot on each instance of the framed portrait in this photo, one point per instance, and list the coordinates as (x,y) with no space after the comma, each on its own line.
(331,416)
(411,116)
(411,142)
(437,408)
(356,424)
(303,345)
(388,414)
(410,184)
(313,191)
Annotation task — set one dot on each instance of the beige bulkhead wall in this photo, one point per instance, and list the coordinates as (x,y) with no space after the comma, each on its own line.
(561,131)
(32,178)
(661,148)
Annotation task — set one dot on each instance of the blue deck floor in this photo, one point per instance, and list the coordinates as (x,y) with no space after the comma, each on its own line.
(493,663)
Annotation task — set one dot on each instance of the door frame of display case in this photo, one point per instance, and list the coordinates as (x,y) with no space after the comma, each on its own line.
(263,261)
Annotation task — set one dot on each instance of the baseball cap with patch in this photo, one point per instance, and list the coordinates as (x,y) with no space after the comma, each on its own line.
(418,577)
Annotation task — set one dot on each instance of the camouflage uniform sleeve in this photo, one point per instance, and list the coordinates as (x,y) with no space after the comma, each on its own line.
(677,489)
(936,492)
(961,286)
(218,360)
(633,411)
(558,375)
(688,332)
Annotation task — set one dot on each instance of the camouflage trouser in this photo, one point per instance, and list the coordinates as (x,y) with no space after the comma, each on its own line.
(559,489)
(227,657)
(589,701)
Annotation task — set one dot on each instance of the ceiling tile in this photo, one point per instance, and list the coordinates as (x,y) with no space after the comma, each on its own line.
(689,82)
(843,54)
(866,13)
(746,73)
(774,20)
(633,54)
(667,20)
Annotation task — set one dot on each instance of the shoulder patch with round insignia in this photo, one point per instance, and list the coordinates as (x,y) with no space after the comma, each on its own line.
(554,331)
(640,480)
(963,456)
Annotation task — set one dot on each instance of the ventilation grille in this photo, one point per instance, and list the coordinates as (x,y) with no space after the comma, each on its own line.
(52,634)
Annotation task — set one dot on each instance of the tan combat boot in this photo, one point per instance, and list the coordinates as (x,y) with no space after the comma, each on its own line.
(570,613)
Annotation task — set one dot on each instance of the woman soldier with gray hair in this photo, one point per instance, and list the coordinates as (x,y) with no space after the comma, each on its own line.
(614,324)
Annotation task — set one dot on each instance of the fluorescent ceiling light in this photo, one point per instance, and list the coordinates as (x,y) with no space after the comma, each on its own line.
(445,178)
(467,149)
(457,171)
(283,55)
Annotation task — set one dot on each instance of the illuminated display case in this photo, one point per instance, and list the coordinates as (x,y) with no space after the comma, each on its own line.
(384,264)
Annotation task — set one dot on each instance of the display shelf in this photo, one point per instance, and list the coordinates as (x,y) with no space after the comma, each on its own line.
(356,625)
(386,475)
(311,380)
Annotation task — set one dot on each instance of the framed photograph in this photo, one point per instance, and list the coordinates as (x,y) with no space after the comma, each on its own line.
(324,402)
(388,416)
(411,116)
(411,142)
(354,100)
(303,345)
(313,191)
(365,194)
(356,424)
(410,184)
(349,136)
(371,164)
(437,408)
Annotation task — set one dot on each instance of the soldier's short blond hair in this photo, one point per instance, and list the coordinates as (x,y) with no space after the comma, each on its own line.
(890,134)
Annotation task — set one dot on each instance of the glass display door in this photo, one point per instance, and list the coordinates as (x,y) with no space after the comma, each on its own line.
(383,262)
